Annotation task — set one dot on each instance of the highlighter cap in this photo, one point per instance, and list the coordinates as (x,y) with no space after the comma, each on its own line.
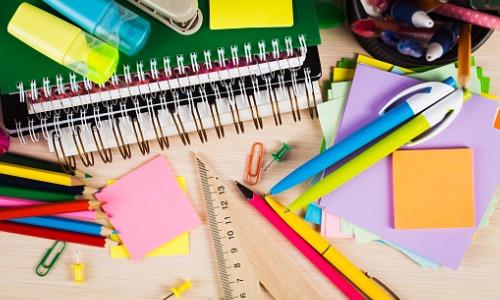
(64,43)
(107,20)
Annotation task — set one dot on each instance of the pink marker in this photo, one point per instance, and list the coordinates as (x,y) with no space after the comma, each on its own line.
(4,142)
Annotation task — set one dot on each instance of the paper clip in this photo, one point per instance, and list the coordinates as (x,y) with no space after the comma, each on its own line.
(43,266)
(253,166)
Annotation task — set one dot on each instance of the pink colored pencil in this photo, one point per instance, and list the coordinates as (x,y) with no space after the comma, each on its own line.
(85,215)
(469,15)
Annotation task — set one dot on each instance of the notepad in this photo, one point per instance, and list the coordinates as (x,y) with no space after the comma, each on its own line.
(371,206)
(231,14)
(433,188)
(148,208)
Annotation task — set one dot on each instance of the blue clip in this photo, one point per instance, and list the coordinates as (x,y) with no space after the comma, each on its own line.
(43,266)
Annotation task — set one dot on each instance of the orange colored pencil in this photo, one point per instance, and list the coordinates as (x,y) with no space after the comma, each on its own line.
(7,213)
(464,54)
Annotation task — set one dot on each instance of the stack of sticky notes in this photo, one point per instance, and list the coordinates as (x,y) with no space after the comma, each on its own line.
(230,14)
(426,200)
(150,211)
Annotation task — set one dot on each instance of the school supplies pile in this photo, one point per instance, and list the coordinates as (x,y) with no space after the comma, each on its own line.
(430,215)
(37,198)
(176,85)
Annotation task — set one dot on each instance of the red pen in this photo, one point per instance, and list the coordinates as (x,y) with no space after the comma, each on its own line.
(373,28)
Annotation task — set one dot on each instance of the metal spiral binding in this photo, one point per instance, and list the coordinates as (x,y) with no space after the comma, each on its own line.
(143,105)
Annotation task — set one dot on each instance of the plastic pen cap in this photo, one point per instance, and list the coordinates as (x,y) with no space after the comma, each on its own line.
(107,20)
(64,43)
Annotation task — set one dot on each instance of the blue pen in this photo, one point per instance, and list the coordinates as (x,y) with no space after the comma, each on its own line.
(442,40)
(107,20)
(67,224)
(405,12)
(404,46)
(419,98)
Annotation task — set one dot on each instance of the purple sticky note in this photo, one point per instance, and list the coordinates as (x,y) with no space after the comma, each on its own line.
(366,200)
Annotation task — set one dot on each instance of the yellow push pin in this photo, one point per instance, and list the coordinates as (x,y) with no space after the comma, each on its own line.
(78,267)
(177,291)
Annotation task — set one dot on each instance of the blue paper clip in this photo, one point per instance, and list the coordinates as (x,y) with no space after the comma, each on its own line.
(43,266)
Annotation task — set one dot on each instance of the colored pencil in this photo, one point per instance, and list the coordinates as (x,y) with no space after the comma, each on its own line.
(48,209)
(34,194)
(39,185)
(39,174)
(67,224)
(464,54)
(85,214)
(56,234)
(17,159)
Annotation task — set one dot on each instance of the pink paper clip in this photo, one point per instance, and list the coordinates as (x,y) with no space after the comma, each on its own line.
(253,166)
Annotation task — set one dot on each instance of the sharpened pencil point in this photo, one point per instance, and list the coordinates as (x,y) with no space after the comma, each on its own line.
(287,210)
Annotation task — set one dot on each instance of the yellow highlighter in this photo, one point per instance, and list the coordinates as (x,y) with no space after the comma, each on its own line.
(322,246)
(64,43)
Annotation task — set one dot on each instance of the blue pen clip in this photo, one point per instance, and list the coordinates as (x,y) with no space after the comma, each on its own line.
(43,268)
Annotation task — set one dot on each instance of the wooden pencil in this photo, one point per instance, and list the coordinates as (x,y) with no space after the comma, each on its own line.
(464,54)
(85,227)
(56,234)
(22,160)
(34,194)
(85,214)
(39,174)
(39,185)
(45,209)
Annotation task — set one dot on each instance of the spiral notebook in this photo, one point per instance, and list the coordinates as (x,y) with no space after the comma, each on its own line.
(176,85)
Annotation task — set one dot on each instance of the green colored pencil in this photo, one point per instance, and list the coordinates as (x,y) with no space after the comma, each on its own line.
(34,194)
(26,161)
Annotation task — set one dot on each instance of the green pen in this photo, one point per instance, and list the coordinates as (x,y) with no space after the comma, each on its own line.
(448,106)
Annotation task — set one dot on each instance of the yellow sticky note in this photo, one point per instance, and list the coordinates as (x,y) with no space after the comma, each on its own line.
(369,61)
(343,74)
(177,246)
(231,14)
(433,188)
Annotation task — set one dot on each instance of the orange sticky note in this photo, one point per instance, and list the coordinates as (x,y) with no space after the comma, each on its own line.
(433,188)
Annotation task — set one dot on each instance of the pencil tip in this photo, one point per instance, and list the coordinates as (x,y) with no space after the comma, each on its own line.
(287,210)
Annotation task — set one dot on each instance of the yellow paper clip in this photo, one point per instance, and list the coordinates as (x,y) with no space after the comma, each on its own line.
(43,266)
(253,166)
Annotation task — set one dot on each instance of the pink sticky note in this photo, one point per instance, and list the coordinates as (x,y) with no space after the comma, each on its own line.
(148,208)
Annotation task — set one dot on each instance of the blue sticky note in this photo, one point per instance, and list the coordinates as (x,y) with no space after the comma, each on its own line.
(313,213)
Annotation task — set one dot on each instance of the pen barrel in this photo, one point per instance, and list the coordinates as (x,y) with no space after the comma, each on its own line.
(364,160)
(332,255)
(308,251)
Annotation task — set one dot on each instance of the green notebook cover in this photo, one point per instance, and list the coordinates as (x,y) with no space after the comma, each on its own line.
(21,63)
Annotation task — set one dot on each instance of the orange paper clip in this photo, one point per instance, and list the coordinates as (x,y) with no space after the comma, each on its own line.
(253,166)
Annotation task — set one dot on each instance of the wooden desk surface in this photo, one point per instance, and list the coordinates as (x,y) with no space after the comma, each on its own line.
(151,278)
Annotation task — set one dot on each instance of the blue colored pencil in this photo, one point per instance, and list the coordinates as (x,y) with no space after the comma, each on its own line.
(67,224)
